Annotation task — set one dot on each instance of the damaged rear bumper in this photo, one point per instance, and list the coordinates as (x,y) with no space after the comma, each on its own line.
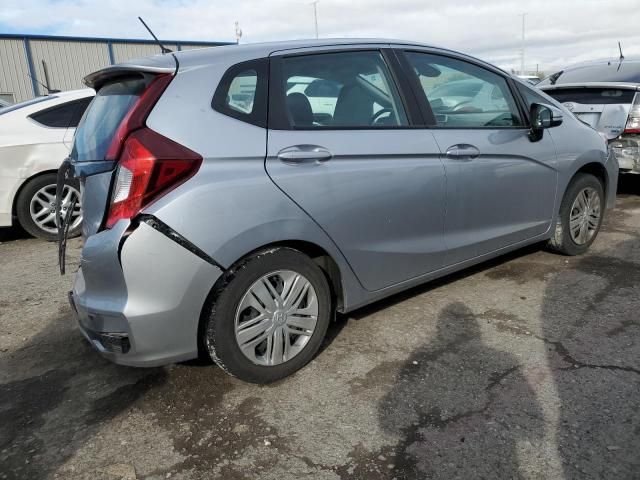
(627,151)
(139,295)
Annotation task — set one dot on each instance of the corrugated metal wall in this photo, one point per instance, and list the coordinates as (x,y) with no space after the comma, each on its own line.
(68,62)
(14,71)
(126,51)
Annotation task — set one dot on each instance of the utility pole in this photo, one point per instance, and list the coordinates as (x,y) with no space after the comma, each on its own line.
(522,55)
(238,33)
(315,14)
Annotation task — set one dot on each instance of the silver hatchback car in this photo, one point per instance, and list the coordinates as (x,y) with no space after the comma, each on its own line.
(231,210)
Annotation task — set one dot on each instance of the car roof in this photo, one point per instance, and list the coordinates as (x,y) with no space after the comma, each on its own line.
(167,63)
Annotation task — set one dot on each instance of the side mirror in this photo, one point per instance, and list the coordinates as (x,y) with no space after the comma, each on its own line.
(541,117)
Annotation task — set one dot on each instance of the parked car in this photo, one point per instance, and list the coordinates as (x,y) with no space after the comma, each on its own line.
(35,138)
(239,234)
(606,95)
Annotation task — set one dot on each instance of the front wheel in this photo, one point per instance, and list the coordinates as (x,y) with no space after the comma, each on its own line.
(580,216)
(269,317)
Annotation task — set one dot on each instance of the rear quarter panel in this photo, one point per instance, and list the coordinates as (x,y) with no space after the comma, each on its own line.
(230,207)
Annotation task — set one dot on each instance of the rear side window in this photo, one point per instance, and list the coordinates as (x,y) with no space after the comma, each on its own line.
(339,90)
(101,120)
(18,106)
(463,95)
(592,96)
(67,115)
(242,92)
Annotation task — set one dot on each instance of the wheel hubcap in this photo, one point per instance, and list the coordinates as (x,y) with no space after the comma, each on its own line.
(43,207)
(276,317)
(584,218)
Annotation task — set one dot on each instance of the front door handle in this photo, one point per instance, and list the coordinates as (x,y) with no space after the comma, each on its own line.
(462,151)
(304,154)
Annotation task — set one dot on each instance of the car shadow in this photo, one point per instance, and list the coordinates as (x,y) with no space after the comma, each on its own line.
(15,232)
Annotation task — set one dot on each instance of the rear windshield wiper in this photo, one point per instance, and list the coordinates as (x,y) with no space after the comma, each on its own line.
(65,172)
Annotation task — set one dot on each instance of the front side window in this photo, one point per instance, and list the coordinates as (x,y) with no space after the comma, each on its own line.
(463,95)
(344,89)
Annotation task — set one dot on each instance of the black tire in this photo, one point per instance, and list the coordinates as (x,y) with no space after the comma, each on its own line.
(23,203)
(561,241)
(219,316)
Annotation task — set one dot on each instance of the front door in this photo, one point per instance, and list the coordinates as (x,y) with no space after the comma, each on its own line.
(501,186)
(345,151)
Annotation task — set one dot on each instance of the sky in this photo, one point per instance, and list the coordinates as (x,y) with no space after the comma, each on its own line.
(557,33)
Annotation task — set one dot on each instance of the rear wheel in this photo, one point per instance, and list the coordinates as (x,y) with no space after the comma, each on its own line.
(36,205)
(270,316)
(580,216)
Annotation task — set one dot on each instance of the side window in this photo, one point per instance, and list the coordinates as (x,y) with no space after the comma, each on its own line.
(463,95)
(62,116)
(343,89)
(242,92)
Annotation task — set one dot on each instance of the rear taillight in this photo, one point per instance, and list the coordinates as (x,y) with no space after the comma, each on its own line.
(138,114)
(150,165)
(633,120)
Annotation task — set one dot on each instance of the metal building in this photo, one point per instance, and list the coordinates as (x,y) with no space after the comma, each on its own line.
(62,62)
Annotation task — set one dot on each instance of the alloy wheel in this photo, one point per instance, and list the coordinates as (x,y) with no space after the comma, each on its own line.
(43,207)
(584,218)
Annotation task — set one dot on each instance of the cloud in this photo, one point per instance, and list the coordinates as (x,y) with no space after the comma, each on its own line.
(557,33)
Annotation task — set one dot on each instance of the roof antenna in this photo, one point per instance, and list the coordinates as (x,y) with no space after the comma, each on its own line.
(621,56)
(620,48)
(49,90)
(163,49)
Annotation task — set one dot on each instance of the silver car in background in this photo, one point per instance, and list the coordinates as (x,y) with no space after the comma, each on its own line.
(606,95)
(228,214)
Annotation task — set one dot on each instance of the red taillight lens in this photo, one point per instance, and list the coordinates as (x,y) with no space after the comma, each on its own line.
(138,114)
(633,120)
(150,165)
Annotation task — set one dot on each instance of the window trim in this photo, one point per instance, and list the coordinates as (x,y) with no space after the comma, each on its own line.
(278,119)
(60,105)
(258,115)
(425,105)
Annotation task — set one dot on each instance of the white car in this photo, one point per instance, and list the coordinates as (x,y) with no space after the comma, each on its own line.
(35,138)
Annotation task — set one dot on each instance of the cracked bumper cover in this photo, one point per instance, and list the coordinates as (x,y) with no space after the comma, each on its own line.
(151,294)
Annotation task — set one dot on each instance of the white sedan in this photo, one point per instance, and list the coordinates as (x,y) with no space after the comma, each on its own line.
(35,137)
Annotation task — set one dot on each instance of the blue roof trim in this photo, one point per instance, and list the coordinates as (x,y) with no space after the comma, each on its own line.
(62,38)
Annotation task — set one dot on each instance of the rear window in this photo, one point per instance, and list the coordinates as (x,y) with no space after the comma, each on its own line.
(102,118)
(613,71)
(591,96)
(67,115)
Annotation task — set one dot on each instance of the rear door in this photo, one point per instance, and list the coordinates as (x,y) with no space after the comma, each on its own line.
(347,150)
(501,186)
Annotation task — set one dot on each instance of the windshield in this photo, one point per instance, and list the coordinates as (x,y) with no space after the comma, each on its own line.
(102,118)
(20,105)
(614,71)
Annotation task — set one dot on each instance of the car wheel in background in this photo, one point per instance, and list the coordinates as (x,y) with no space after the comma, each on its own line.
(580,216)
(35,207)
(269,316)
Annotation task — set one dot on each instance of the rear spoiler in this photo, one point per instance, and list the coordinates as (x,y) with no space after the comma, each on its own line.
(620,85)
(154,65)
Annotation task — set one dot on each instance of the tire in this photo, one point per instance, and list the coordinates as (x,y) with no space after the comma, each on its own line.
(24,207)
(226,314)
(563,240)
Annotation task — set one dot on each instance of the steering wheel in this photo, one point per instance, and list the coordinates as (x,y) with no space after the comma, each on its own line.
(378,114)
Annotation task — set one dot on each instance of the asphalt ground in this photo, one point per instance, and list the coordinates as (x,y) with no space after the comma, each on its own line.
(524,367)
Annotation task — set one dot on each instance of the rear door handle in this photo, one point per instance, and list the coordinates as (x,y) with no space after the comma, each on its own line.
(304,154)
(462,151)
